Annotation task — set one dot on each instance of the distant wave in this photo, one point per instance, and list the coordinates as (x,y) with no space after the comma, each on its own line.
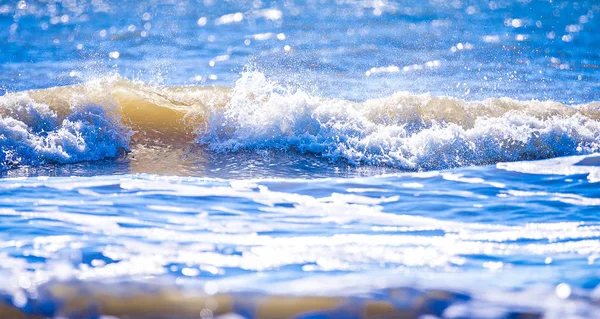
(102,118)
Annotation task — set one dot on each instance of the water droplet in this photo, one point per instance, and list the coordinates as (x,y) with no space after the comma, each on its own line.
(190,272)
(563,291)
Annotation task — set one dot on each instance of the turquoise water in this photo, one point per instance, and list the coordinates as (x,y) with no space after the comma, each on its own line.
(439,157)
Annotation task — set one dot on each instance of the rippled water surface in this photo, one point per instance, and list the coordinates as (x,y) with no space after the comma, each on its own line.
(309,159)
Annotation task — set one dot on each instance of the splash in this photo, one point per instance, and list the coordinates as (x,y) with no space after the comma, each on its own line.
(407,131)
(33,134)
(96,120)
(102,118)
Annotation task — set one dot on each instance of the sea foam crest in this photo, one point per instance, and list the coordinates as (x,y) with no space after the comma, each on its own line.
(32,133)
(407,131)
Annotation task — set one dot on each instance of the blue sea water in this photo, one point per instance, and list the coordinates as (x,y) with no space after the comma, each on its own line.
(300,159)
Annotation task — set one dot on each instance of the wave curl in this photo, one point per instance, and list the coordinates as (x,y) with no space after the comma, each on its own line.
(100,118)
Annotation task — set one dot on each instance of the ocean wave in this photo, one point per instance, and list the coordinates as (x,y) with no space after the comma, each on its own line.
(32,134)
(96,119)
(407,131)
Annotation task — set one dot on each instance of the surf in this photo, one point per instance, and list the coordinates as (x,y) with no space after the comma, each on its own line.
(166,112)
(113,116)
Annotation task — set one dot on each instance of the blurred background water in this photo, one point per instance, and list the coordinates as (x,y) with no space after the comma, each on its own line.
(469,49)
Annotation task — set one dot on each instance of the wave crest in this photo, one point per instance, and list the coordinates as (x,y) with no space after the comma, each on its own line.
(33,134)
(407,131)
(97,119)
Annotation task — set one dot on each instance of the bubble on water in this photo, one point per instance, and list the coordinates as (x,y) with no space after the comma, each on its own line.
(206,314)
(190,272)
(211,287)
(230,18)
(19,299)
(563,291)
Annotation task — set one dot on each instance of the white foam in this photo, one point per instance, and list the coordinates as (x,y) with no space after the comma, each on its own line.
(32,134)
(406,131)
(571,165)
(414,132)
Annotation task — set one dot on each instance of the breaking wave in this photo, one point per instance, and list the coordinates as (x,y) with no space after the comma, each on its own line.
(103,118)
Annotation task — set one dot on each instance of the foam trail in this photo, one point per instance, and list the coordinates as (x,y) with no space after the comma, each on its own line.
(101,118)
